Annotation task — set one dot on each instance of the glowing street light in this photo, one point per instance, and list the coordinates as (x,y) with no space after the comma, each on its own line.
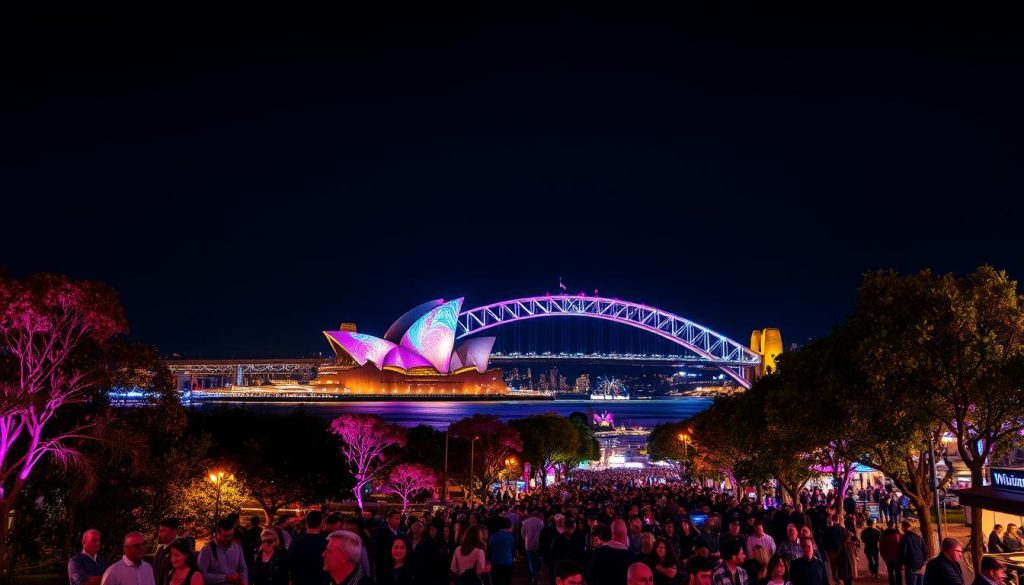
(685,438)
(218,478)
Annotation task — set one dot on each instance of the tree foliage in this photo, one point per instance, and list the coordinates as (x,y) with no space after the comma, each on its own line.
(366,441)
(548,440)
(406,480)
(495,442)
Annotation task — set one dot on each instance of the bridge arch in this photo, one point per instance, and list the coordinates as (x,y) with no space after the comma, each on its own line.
(733,358)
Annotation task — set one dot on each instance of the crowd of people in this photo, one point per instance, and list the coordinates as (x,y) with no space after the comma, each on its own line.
(609,527)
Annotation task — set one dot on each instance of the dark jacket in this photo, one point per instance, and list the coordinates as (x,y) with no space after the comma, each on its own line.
(912,551)
(273,572)
(161,563)
(942,571)
(995,544)
(306,559)
(889,546)
(808,572)
(609,564)
(870,536)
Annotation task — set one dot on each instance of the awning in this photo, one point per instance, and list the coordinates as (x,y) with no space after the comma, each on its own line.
(990,498)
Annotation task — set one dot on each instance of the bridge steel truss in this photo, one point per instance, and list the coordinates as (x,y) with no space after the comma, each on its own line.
(733,358)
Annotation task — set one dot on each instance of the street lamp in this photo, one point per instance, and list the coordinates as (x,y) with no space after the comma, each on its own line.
(685,438)
(217,477)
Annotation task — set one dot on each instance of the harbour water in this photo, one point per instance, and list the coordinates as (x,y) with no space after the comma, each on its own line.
(629,413)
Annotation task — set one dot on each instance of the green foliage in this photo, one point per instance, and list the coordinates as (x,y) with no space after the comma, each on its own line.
(548,439)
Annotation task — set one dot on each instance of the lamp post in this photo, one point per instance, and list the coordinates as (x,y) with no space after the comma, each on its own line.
(472,453)
(444,488)
(685,438)
(510,463)
(217,477)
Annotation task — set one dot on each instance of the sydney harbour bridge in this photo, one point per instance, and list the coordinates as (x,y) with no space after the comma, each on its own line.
(693,344)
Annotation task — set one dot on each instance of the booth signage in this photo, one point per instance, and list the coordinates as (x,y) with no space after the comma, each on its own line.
(1007,479)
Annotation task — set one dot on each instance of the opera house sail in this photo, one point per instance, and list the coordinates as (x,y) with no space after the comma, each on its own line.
(416,357)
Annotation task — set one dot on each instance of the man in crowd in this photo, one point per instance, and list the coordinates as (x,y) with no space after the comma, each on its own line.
(760,538)
(730,571)
(945,568)
(341,559)
(222,560)
(870,536)
(993,572)
(131,569)
(611,560)
(568,573)
(791,549)
(87,567)
(166,532)
(1011,540)
(995,540)
(532,528)
(639,574)
(381,539)
(911,555)
(305,556)
(889,549)
(501,552)
(832,543)
(699,568)
(808,570)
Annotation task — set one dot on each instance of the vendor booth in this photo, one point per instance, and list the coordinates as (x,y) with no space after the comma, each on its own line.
(1002,502)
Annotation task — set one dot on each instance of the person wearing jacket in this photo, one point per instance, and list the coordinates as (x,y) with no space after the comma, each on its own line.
(889,549)
(911,555)
(945,569)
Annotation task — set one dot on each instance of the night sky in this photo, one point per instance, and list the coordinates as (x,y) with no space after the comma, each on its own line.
(246,180)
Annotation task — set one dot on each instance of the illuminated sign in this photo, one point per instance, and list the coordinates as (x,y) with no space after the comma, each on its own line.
(1009,479)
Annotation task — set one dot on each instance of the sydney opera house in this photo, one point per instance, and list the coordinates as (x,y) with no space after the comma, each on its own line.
(416,357)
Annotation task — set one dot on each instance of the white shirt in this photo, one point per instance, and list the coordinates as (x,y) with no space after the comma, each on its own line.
(766,541)
(125,572)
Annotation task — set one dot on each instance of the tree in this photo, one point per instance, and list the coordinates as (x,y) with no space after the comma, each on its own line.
(664,444)
(548,440)
(495,441)
(366,441)
(44,321)
(959,343)
(408,479)
(589,447)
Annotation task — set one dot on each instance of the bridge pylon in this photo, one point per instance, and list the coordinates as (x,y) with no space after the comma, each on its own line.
(767,343)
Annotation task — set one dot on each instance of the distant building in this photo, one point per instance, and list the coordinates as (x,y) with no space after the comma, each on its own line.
(582,385)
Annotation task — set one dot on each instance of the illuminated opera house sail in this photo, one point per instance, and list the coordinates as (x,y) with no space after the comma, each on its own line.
(416,356)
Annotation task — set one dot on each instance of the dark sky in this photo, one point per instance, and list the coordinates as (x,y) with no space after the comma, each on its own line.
(246,180)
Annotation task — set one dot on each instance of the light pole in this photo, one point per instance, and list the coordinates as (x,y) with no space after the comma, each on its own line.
(444,488)
(510,463)
(217,478)
(685,438)
(472,453)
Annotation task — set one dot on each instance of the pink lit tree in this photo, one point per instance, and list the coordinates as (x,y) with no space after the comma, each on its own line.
(408,479)
(46,322)
(493,443)
(366,440)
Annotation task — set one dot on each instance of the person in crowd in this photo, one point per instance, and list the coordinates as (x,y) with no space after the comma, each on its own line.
(568,545)
(501,550)
(639,574)
(381,539)
(846,560)
(131,569)
(832,543)
(532,528)
(332,523)
(471,555)
(425,556)
(757,564)
(760,538)
(777,573)
(341,559)
(87,567)
(270,564)
(889,550)
(352,525)
(568,572)
(663,563)
(167,531)
(699,569)
(222,560)
(647,540)
(730,571)
(400,563)
(611,560)
(732,534)
(305,555)
(993,572)
(791,549)
(995,540)
(1011,540)
(911,556)
(284,527)
(251,538)
(182,565)
(945,568)
(870,538)
(808,569)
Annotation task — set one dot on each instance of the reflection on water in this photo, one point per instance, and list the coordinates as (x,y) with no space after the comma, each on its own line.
(630,413)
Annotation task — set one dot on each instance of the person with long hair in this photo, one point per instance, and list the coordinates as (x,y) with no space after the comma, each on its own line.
(663,562)
(184,565)
(777,571)
(757,564)
(270,562)
(471,554)
(402,571)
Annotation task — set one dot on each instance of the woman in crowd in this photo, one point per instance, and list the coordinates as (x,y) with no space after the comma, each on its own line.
(757,564)
(778,572)
(402,571)
(184,566)
(270,565)
(663,563)
(471,555)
